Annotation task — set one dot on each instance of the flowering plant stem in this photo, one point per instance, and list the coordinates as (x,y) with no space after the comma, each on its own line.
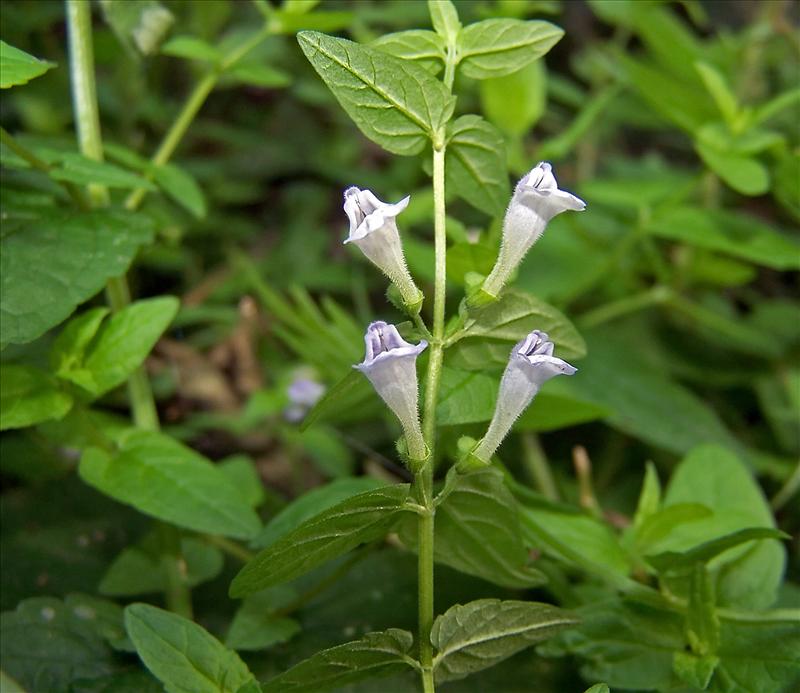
(423,482)
(145,416)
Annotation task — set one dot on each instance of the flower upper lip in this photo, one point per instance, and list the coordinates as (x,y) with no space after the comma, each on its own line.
(537,349)
(367,213)
(383,342)
(541,181)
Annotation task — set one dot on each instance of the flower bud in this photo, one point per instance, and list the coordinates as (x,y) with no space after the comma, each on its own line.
(390,363)
(373,228)
(531,364)
(535,202)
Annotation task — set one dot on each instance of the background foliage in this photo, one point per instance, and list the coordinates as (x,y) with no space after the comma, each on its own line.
(676,122)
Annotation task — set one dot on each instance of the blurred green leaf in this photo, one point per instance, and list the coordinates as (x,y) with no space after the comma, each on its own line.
(518,115)
(256,627)
(181,188)
(192,48)
(28,396)
(743,173)
(140,23)
(257,75)
(18,67)
(78,169)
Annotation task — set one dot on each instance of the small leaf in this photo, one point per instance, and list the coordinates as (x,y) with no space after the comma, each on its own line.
(659,524)
(333,532)
(744,174)
(395,103)
(256,627)
(375,655)
(182,188)
(680,562)
(258,75)
(91,247)
(29,396)
(444,17)
(181,654)
(192,48)
(122,344)
(476,164)
(598,688)
(78,169)
(719,90)
(424,47)
(475,636)
(164,479)
(17,67)
(311,503)
(70,346)
(497,47)
(650,496)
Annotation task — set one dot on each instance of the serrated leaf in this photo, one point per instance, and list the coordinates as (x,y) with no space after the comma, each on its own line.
(192,48)
(333,532)
(81,170)
(29,396)
(164,479)
(475,636)
(478,532)
(86,248)
(122,344)
(312,503)
(181,654)
(181,188)
(18,67)
(393,102)
(497,47)
(424,47)
(375,655)
(475,164)
(515,315)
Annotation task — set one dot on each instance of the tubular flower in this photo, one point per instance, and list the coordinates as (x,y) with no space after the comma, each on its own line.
(531,364)
(390,363)
(536,200)
(373,228)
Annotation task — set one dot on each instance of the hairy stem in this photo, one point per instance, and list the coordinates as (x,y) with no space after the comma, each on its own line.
(87,124)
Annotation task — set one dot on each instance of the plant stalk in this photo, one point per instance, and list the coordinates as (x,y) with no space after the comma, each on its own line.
(87,124)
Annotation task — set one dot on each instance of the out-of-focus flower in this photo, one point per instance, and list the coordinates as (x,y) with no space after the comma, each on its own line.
(390,363)
(535,202)
(531,364)
(303,394)
(373,228)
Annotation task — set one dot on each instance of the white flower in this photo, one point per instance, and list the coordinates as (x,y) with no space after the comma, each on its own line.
(531,364)
(535,202)
(390,363)
(373,228)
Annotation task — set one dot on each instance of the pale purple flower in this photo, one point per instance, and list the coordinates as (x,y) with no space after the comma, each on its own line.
(390,363)
(303,394)
(373,228)
(536,200)
(530,365)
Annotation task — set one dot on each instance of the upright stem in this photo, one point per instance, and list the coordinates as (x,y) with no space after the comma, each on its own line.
(87,124)
(424,480)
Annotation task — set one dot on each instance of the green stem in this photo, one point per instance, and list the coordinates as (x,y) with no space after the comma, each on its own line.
(190,109)
(624,306)
(789,488)
(87,123)
(230,547)
(539,467)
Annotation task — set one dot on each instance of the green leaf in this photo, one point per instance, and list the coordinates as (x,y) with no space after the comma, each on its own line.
(680,562)
(515,315)
(122,344)
(476,165)
(242,471)
(518,115)
(395,103)
(333,532)
(744,174)
(658,525)
(497,47)
(598,688)
(17,67)
(9,685)
(164,479)
(375,655)
(747,576)
(256,627)
(478,635)
(28,396)
(310,504)
(181,188)
(444,17)
(181,654)
(694,670)
(140,23)
(78,169)
(649,498)
(91,247)
(140,569)
(719,90)
(192,48)
(478,532)
(69,348)
(350,391)
(426,48)
(258,75)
